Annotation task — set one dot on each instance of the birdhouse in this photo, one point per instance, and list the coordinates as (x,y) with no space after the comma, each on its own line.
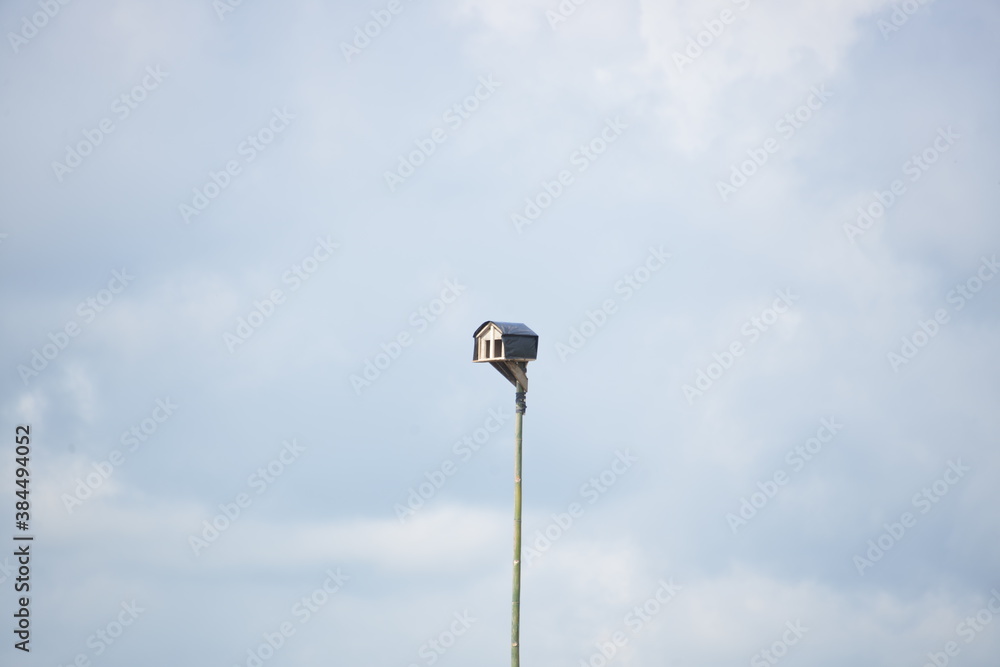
(508,346)
(505,341)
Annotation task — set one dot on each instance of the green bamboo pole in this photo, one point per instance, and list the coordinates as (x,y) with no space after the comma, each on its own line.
(515,630)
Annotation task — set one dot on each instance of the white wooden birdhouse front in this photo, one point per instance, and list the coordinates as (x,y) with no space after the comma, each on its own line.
(490,344)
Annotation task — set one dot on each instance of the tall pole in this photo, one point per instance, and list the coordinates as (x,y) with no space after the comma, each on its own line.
(515,629)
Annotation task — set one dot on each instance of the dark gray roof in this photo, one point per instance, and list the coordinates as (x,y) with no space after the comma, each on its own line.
(514,328)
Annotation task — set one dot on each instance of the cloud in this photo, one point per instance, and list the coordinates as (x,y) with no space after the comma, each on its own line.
(699,58)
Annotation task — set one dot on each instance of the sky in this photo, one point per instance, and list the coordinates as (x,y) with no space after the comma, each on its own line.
(244,247)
